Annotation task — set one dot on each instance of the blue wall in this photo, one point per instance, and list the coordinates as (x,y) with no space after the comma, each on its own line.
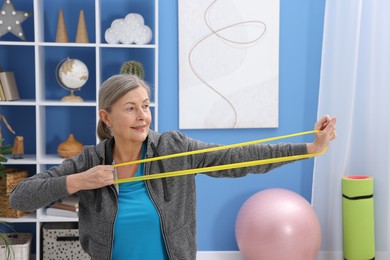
(219,200)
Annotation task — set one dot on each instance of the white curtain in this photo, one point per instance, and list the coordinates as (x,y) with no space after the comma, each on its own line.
(355,88)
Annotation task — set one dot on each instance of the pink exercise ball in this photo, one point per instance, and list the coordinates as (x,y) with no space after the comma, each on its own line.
(278,224)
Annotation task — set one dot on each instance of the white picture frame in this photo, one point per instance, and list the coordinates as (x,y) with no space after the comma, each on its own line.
(228,64)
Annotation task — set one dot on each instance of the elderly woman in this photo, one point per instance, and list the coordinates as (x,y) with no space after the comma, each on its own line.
(154,219)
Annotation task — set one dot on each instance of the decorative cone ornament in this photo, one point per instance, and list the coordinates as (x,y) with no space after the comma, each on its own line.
(82,34)
(70,147)
(62,35)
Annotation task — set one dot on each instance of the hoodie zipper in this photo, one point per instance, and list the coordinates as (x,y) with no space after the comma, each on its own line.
(167,196)
(112,187)
(159,214)
(161,222)
(113,225)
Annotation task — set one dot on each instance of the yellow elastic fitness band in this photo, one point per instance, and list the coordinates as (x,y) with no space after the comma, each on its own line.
(218,167)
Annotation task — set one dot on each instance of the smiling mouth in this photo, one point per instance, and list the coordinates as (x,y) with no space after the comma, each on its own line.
(139,128)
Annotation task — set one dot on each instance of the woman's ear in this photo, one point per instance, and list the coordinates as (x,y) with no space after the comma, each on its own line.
(103,115)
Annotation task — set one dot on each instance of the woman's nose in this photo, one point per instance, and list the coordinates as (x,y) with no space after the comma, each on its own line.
(141,114)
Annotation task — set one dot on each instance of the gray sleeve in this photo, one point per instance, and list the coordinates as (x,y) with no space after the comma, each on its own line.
(253,153)
(48,186)
(179,142)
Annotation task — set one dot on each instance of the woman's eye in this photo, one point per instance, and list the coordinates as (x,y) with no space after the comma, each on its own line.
(145,106)
(130,108)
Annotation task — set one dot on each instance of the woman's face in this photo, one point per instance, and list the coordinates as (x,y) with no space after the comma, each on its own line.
(130,116)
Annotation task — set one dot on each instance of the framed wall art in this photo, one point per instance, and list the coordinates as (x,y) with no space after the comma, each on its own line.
(228,64)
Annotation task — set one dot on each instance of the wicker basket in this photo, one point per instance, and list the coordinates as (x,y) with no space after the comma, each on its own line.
(20,246)
(7,184)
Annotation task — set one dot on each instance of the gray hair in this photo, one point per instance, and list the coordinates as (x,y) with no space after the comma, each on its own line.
(111,91)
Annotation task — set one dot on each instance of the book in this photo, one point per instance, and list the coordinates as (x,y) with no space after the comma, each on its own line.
(2,96)
(9,86)
(70,201)
(64,207)
(50,211)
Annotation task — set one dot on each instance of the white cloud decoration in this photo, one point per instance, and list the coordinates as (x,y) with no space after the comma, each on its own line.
(130,30)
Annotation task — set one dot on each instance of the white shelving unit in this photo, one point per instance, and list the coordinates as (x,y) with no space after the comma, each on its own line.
(42,103)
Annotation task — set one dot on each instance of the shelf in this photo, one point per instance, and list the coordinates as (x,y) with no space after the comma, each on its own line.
(15,43)
(91,45)
(127,46)
(51,159)
(68,104)
(70,44)
(45,218)
(27,159)
(40,116)
(26,102)
(32,217)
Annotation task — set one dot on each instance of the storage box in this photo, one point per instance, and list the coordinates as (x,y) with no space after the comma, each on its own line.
(20,246)
(61,241)
(7,183)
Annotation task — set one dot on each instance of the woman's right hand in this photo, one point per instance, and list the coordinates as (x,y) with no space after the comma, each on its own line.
(327,127)
(94,178)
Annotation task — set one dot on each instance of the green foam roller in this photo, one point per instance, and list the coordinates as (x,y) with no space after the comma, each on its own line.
(358,217)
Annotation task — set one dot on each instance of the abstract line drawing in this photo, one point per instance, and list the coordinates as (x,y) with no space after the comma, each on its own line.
(228,64)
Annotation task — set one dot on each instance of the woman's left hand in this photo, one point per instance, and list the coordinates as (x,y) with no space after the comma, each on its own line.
(327,127)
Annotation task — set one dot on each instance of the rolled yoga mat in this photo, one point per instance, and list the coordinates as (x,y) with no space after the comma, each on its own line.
(358,217)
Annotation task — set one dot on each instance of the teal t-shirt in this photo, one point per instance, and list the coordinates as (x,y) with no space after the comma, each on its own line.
(137,232)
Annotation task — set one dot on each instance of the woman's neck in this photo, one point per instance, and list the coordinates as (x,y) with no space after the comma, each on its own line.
(127,153)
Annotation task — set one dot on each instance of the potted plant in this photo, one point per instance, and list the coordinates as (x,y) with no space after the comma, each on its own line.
(4,149)
(132,67)
(4,240)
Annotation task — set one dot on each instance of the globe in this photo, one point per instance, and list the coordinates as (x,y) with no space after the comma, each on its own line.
(72,74)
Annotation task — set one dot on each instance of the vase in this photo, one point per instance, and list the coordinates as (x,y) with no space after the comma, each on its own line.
(70,147)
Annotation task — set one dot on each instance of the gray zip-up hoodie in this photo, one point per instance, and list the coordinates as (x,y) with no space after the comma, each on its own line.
(173,197)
